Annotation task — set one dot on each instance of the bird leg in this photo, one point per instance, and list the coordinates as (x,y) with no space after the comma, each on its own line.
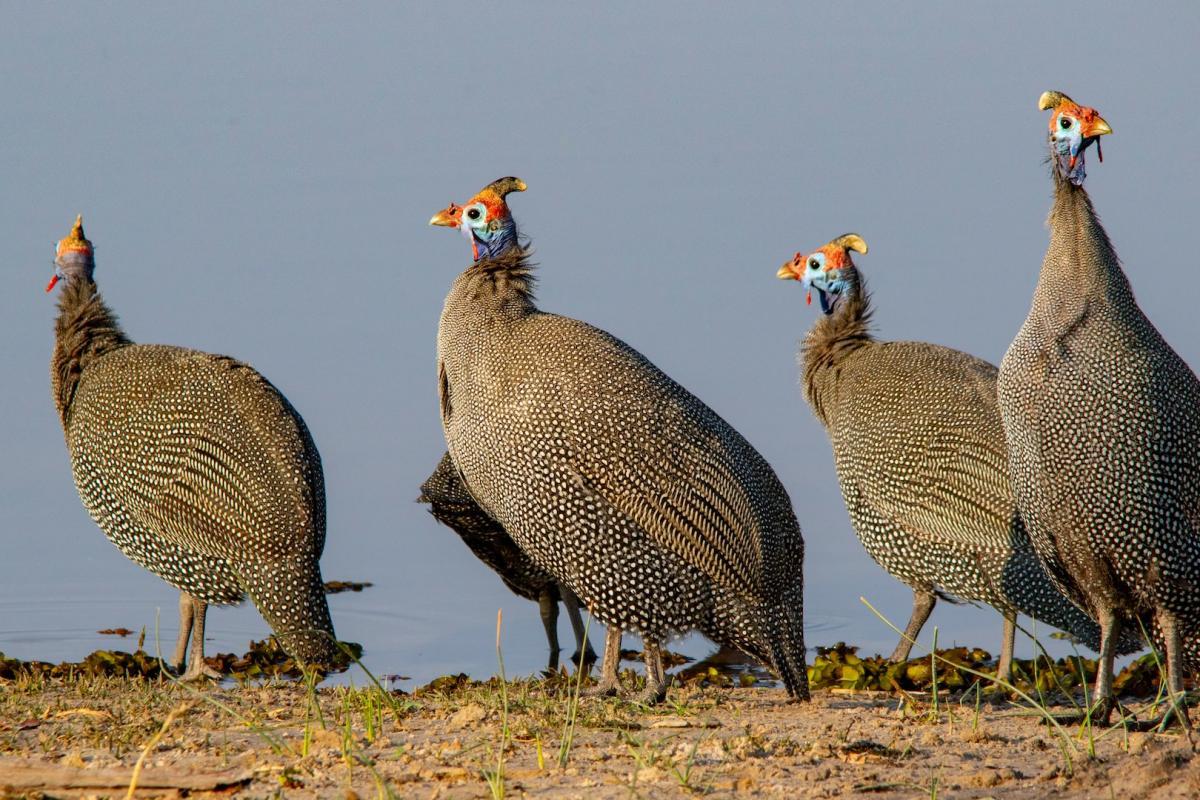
(1110,632)
(548,605)
(997,694)
(609,682)
(584,654)
(1004,668)
(197,669)
(1169,626)
(185,631)
(656,682)
(923,602)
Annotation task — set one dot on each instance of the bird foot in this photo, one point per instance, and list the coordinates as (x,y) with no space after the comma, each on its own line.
(653,693)
(1098,715)
(650,696)
(198,670)
(1102,711)
(605,688)
(1176,714)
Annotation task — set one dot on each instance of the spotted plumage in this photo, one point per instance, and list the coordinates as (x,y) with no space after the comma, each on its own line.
(452,505)
(612,477)
(1102,420)
(194,466)
(921,459)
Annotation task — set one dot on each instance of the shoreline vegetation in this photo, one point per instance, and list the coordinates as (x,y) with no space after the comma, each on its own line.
(928,727)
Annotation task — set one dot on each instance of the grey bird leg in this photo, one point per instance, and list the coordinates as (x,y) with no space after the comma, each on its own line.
(548,605)
(1004,668)
(584,654)
(185,631)
(197,669)
(1169,625)
(1110,632)
(609,682)
(923,602)
(656,683)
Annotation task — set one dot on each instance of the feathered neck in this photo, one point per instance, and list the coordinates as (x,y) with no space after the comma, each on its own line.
(832,339)
(507,278)
(86,329)
(1080,261)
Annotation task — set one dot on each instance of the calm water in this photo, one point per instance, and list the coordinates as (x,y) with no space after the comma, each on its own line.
(447,627)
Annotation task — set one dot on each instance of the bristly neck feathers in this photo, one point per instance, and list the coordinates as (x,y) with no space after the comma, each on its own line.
(85,330)
(1080,262)
(506,279)
(832,339)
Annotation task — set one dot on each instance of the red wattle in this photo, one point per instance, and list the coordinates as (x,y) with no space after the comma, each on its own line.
(53,281)
(808,298)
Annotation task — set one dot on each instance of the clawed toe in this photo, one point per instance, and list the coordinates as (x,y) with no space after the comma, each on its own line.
(650,696)
(1176,714)
(601,689)
(198,671)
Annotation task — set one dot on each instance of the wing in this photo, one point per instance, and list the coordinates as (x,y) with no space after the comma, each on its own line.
(651,450)
(202,451)
(923,444)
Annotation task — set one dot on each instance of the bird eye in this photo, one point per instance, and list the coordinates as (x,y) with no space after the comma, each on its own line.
(1064,122)
(473,213)
(814,264)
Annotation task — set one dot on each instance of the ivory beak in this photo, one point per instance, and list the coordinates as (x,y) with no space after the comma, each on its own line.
(1099,127)
(445,218)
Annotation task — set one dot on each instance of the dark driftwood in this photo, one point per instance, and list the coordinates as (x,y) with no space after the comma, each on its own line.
(18,773)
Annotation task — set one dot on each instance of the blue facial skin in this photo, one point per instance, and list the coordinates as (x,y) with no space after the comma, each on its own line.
(829,293)
(815,277)
(1067,142)
(491,238)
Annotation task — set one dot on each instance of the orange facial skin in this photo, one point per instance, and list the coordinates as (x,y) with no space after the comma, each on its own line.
(1089,118)
(836,257)
(494,203)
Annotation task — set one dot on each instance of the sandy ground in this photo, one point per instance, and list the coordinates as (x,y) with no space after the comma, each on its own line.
(83,737)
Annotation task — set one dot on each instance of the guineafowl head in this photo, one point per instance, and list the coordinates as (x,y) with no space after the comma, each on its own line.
(1072,128)
(73,256)
(828,269)
(485,219)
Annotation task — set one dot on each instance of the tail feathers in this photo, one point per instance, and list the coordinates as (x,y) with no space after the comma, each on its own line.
(290,595)
(783,629)
(774,634)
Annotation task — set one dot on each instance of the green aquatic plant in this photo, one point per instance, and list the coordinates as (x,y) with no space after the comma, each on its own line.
(262,660)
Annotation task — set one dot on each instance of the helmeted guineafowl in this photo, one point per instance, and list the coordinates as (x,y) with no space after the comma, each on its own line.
(1103,426)
(192,464)
(609,475)
(452,505)
(921,460)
